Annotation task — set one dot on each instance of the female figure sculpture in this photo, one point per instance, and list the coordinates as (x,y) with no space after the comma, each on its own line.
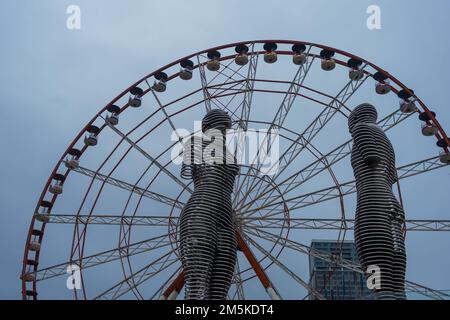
(379,217)
(207,233)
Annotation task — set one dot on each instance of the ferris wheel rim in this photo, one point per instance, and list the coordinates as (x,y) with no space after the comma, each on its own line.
(441,131)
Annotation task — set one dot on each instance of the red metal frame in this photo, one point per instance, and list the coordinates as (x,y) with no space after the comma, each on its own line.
(177,285)
(179,281)
(262,276)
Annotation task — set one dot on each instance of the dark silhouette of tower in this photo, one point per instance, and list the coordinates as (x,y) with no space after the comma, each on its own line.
(379,217)
(207,232)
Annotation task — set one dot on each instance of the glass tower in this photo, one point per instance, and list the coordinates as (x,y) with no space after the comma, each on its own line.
(334,282)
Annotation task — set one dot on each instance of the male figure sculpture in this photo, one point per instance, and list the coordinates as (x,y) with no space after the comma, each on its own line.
(207,233)
(379,216)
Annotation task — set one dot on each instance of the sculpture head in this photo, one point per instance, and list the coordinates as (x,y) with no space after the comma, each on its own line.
(364,113)
(216,119)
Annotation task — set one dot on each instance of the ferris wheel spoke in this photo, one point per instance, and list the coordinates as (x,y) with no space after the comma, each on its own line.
(238,283)
(338,261)
(432,225)
(219,104)
(139,277)
(173,277)
(281,113)
(428,225)
(288,271)
(113,220)
(306,200)
(311,198)
(305,139)
(247,88)
(204,83)
(221,88)
(256,221)
(152,159)
(419,167)
(208,97)
(214,97)
(206,86)
(284,108)
(302,248)
(102,257)
(234,72)
(296,223)
(249,85)
(266,197)
(130,187)
(326,161)
(221,92)
(241,187)
(161,106)
(317,125)
(425,291)
(259,271)
(226,106)
(235,93)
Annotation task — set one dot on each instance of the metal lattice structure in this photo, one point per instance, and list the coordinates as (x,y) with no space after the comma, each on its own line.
(122,195)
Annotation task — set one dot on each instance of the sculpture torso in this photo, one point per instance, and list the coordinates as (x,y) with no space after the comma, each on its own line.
(384,174)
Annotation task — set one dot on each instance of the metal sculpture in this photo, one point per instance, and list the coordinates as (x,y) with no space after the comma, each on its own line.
(379,216)
(207,232)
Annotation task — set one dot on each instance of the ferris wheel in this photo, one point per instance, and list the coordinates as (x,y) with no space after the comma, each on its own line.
(110,209)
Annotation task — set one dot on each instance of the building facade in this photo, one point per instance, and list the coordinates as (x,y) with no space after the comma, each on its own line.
(334,282)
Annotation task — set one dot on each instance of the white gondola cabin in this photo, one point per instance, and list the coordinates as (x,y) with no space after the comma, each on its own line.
(213,63)
(160,82)
(270,56)
(186,69)
(407,102)
(91,138)
(112,117)
(72,160)
(299,56)
(135,99)
(327,63)
(429,129)
(355,72)
(28,277)
(44,211)
(34,246)
(56,187)
(382,85)
(407,106)
(242,55)
(444,157)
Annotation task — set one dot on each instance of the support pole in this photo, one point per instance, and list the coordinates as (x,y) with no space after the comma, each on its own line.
(172,292)
(257,267)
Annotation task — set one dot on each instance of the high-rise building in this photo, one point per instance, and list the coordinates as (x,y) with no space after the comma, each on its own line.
(335,282)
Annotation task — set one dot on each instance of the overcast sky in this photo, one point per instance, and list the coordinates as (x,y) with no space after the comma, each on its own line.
(53,80)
